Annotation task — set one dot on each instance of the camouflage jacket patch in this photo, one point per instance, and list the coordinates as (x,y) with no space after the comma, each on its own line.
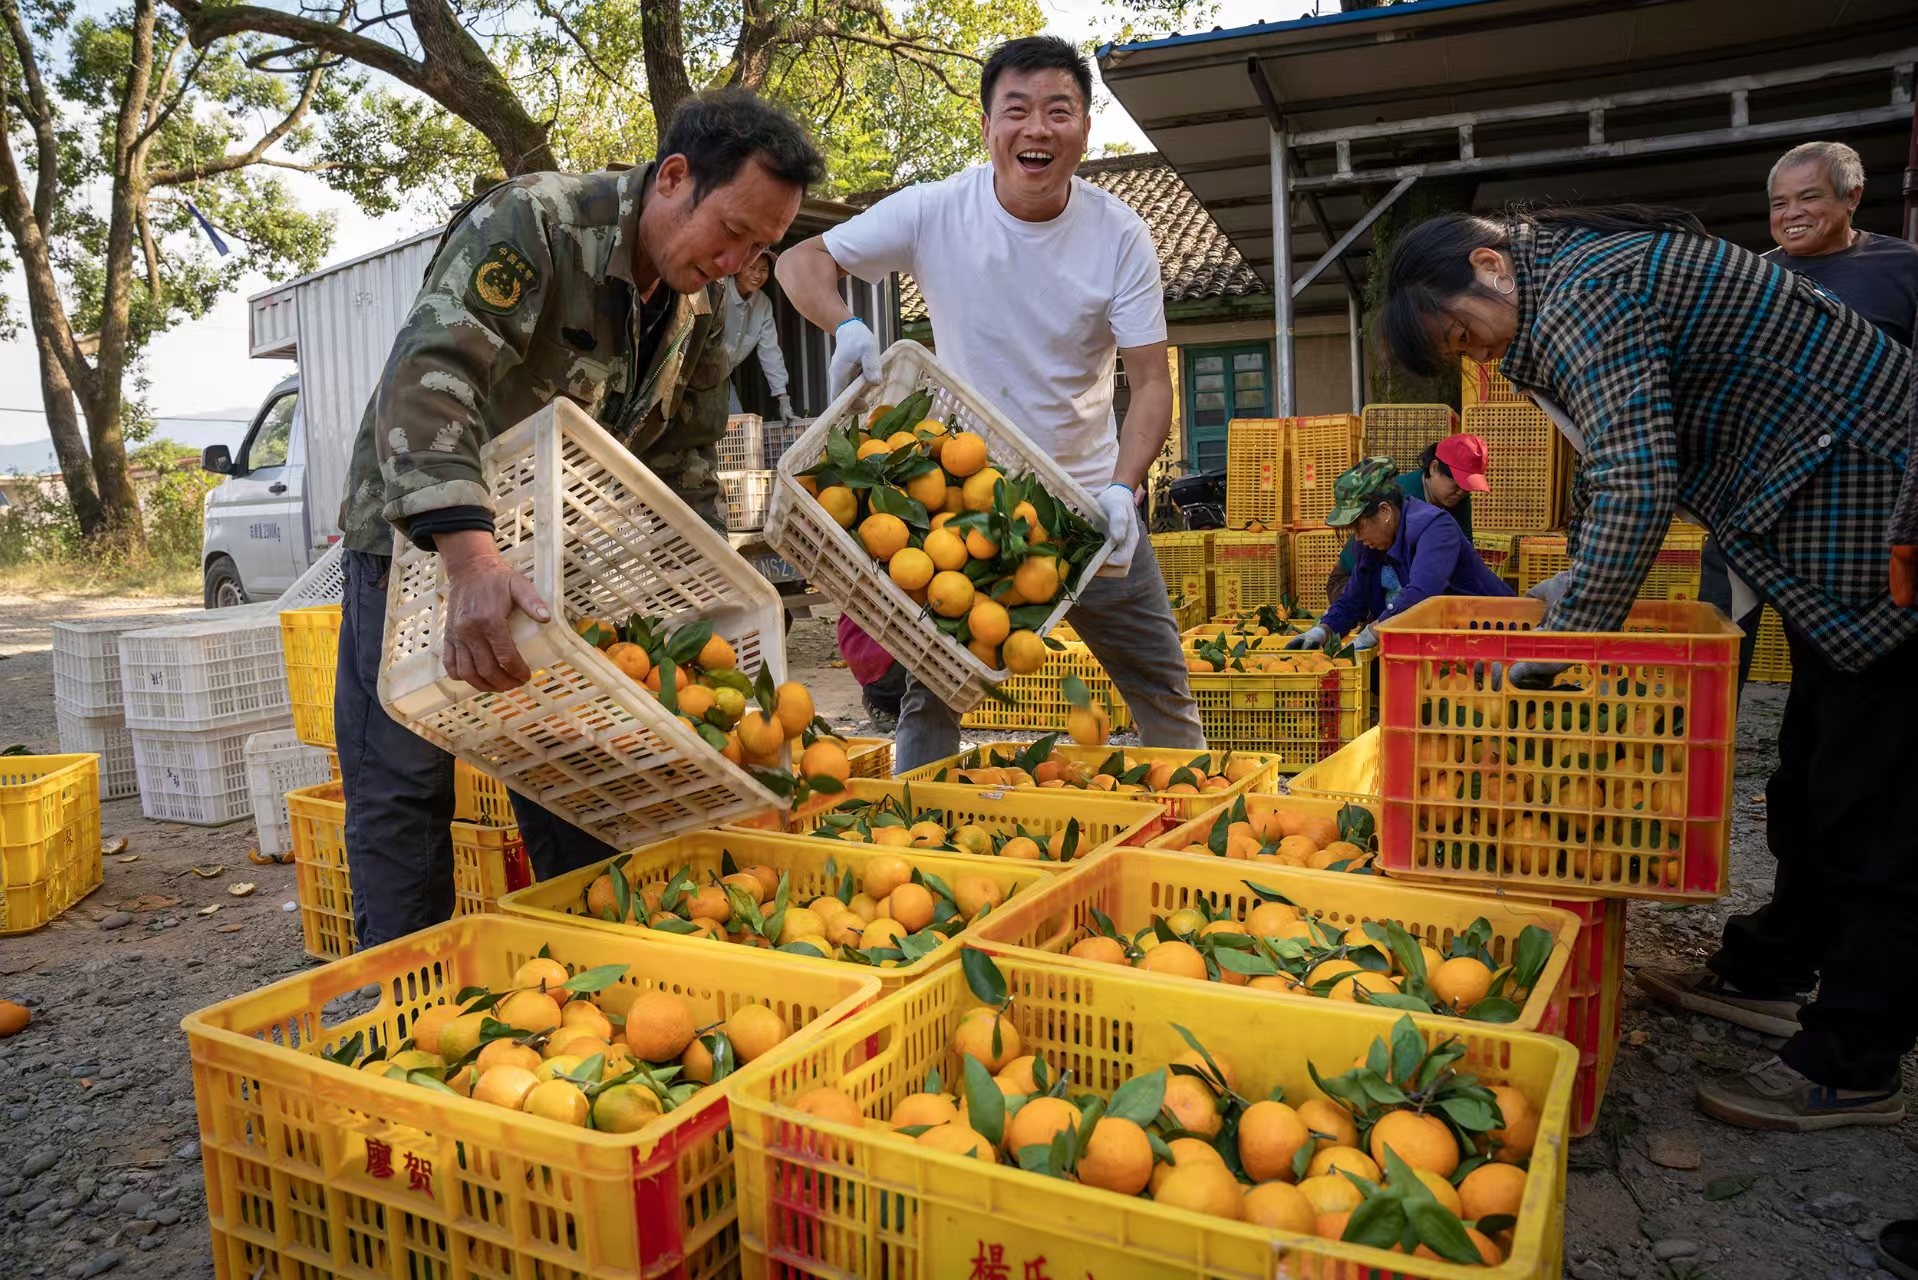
(502,279)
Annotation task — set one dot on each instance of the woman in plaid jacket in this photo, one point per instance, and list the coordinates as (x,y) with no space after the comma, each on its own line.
(1697,377)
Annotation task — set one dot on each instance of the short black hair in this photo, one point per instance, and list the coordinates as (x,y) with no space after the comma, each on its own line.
(1036,53)
(1428,457)
(1387,496)
(718,132)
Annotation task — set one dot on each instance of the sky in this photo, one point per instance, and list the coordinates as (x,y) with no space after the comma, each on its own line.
(203,367)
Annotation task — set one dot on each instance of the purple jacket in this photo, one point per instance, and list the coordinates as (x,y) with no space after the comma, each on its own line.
(1431,557)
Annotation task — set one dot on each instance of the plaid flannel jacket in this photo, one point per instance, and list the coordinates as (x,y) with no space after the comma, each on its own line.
(1704,375)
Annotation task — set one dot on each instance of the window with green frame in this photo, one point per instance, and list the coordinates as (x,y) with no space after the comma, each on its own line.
(1223,382)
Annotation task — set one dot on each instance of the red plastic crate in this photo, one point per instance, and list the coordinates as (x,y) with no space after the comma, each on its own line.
(1620,787)
(1594,986)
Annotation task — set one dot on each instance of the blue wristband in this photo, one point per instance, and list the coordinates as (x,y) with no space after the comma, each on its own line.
(843,323)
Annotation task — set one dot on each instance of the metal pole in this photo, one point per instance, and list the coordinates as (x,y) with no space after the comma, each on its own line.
(1356,348)
(1285,371)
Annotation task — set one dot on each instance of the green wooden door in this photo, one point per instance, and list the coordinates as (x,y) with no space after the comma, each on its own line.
(1222,383)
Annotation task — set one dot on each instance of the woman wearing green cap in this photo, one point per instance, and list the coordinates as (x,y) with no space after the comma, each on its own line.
(1408,550)
(1450,471)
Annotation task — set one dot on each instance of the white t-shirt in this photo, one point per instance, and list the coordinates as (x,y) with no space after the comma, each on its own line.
(1032,314)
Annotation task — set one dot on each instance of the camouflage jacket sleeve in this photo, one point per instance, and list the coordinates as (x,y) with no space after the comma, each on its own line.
(471,324)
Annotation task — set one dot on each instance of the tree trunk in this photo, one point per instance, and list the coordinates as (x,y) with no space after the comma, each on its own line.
(56,394)
(467,83)
(104,407)
(665,46)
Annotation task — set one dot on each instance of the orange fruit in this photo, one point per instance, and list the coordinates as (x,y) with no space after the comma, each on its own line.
(1279,1206)
(946,549)
(1203,1188)
(1330,1193)
(928,489)
(1034,1124)
(923,1108)
(1329,1118)
(911,568)
(755,1030)
(977,491)
(825,758)
(841,504)
(528,1011)
(1024,652)
(829,1102)
(1192,1104)
(1491,1189)
(1520,1131)
(950,594)
(959,1140)
(1334,1159)
(759,734)
(558,1100)
(1037,578)
(1489,1254)
(883,535)
(1422,1141)
(1460,982)
(912,906)
(1180,959)
(979,546)
(505,1087)
(1118,1157)
(1100,948)
(426,1028)
(1270,1134)
(975,1038)
(988,621)
(659,1026)
(716,654)
(631,660)
(963,454)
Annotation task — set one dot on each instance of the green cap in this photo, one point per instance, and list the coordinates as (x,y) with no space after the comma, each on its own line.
(1351,490)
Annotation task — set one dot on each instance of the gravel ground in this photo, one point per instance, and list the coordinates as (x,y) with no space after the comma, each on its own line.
(100,1167)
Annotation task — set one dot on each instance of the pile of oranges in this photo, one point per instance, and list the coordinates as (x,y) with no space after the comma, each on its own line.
(890,820)
(1268,830)
(580,1049)
(1445,1161)
(1041,764)
(988,556)
(887,913)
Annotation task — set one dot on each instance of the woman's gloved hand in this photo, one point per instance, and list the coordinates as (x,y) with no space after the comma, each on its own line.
(1313,639)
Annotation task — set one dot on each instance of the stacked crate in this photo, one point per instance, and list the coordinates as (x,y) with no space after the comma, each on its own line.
(194,693)
(1771,656)
(1521,450)
(1401,431)
(86,696)
(1185,562)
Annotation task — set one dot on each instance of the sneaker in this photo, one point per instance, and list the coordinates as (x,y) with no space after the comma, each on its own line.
(1898,1248)
(1702,991)
(1772,1095)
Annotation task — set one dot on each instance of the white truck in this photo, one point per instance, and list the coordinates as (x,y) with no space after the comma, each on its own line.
(278,510)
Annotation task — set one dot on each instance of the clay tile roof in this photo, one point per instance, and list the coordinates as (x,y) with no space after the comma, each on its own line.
(1195,258)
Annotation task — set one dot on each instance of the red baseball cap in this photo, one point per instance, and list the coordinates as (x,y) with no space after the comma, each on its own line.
(1465,455)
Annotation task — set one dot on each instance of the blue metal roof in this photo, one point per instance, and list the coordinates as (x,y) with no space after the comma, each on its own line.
(1296,24)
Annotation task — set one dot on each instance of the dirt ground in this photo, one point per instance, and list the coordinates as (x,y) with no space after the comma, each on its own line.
(100,1166)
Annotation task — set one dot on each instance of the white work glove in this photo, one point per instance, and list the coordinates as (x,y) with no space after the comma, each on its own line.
(855,355)
(1313,639)
(1366,640)
(1121,508)
(785,408)
(1553,589)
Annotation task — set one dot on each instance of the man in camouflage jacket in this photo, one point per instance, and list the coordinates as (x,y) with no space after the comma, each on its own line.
(597,287)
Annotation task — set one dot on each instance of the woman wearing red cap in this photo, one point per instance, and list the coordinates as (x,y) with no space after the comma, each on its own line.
(1450,471)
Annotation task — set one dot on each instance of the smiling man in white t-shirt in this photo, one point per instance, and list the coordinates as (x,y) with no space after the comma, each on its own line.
(1036,283)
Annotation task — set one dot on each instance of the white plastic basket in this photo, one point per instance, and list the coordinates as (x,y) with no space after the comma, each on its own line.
(108,737)
(223,670)
(194,776)
(781,436)
(747,493)
(599,536)
(86,660)
(323,583)
(278,762)
(835,565)
(741,448)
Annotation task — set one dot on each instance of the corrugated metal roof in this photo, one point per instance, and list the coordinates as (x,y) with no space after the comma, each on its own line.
(1196,260)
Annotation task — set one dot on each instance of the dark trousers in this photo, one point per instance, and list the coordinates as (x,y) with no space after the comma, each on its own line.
(1715,587)
(399,788)
(1844,906)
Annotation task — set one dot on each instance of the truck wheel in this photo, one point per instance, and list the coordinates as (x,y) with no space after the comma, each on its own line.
(223,589)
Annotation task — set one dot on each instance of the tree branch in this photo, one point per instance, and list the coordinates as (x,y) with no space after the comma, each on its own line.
(151,252)
(592,59)
(252,155)
(186,85)
(207,24)
(46,145)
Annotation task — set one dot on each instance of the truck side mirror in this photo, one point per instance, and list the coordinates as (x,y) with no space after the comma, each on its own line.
(217,458)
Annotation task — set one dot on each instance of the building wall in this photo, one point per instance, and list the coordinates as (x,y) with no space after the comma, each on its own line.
(1319,345)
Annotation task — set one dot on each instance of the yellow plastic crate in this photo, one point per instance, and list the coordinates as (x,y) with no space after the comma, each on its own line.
(49,837)
(1771,656)
(820,1198)
(1039,703)
(1521,466)
(1103,819)
(1176,806)
(813,867)
(480,797)
(1318,450)
(1189,610)
(310,639)
(1248,570)
(1498,549)
(1300,717)
(1614,783)
(488,861)
(1673,576)
(1131,887)
(1484,384)
(1315,553)
(313,1168)
(1401,431)
(1349,775)
(1540,556)
(1255,472)
(1184,560)
(869,757)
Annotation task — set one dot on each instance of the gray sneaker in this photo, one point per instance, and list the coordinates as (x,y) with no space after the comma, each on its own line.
(1772,1095)
(1702,991)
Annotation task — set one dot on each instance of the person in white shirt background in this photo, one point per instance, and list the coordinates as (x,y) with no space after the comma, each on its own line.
(749,325)
(1036,283)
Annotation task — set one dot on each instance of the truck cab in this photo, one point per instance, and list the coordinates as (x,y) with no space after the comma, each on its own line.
(254,540)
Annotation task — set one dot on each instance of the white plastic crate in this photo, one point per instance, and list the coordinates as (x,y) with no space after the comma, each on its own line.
(599,536)
(832,561)
(224,670)
(86,659)
(781,436)
(742,448)
(323,583)
(747,493)
(278,762)
(108,737)
(194,776)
